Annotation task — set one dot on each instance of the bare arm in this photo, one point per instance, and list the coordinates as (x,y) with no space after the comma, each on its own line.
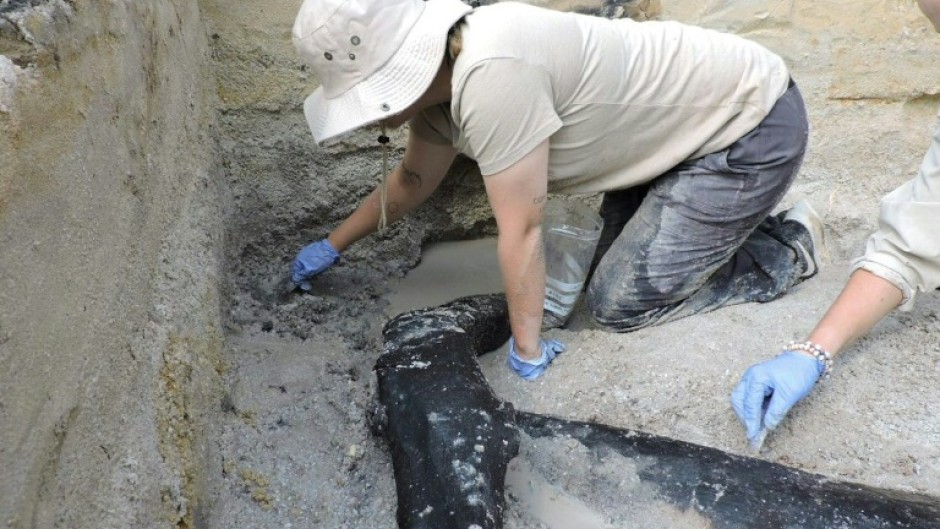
(409,185)
(517,196)
(865,299)
(931,9)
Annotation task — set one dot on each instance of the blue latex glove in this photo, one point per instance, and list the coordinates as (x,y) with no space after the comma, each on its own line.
(533,369)
(785,379)
(313,259)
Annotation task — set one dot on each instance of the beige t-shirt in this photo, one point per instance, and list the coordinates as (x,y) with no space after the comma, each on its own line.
(620,101)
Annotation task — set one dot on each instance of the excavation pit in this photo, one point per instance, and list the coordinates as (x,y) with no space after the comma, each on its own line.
(157,178)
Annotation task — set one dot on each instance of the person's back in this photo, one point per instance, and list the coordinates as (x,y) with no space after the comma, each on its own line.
(623,101)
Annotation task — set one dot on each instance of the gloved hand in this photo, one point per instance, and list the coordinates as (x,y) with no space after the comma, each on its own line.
(313,259)
(533,369)
(786,379)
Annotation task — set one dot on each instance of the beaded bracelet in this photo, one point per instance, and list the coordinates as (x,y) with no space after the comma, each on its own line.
(821,355)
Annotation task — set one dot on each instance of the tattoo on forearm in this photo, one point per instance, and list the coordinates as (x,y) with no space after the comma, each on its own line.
(410,177)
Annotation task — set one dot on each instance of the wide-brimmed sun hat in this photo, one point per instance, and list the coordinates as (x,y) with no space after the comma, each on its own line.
(373,58)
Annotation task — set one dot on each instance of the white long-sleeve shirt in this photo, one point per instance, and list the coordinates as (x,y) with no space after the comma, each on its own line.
(906,248)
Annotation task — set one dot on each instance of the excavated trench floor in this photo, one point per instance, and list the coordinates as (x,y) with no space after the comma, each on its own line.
(297,451)
(294,439)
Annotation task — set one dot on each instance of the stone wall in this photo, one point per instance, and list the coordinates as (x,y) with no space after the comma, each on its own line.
(110,227)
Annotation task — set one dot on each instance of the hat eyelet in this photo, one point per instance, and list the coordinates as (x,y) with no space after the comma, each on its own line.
(352,56)
(385,107)
(355,40)
(328,55)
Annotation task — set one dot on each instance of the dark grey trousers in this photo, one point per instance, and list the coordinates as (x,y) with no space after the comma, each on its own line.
(700,236)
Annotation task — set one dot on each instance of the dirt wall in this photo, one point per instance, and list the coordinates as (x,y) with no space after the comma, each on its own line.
(110,226)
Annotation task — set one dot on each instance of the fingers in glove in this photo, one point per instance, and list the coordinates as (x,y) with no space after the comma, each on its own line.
(755,392)
(297,272)
(554,347)
(532,369)
(801,376)
(779,406)
(783,399)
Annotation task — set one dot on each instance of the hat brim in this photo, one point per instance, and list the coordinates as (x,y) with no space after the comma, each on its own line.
(394,86)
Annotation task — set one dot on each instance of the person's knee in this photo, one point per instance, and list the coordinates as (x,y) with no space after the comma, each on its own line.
(610,314)
(616,311)
(602,310)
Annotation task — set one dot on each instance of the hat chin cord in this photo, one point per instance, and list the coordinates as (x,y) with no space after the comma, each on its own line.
(383,218)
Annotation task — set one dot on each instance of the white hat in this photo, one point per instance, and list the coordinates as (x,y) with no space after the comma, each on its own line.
(373,58)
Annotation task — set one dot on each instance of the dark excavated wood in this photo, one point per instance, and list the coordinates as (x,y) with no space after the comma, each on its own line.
(451,440)
(737,492)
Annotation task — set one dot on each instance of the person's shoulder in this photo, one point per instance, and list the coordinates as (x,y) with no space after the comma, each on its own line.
(501,9)
(504,30)
(515,16)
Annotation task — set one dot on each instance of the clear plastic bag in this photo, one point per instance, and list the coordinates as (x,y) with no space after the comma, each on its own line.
(570,231)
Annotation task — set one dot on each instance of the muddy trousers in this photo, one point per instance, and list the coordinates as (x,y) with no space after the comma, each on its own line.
(701,236)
